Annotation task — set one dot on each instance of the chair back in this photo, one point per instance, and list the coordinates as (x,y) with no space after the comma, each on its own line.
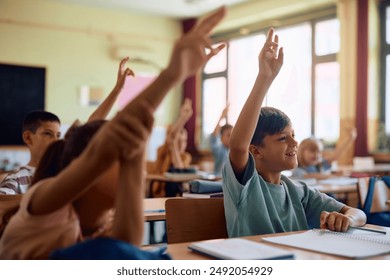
(195,219)
(380,196)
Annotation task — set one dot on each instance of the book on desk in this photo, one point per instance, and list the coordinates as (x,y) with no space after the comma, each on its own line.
(202,195)
(204,189)
(239,249)
(355,243)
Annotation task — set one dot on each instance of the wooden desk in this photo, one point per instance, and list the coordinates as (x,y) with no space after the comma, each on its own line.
(180,251)
(337,188)
(181,178)
(154,209)
(380,169)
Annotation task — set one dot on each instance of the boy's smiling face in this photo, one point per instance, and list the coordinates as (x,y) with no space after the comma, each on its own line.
(278,152)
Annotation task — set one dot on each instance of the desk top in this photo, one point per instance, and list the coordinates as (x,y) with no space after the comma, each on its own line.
(154,209)
(180,251)
(381,168)
(336,188)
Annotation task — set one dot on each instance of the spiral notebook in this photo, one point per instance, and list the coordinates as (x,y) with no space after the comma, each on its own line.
(354,244)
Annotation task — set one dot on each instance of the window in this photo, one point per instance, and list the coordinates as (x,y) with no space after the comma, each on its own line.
(384,128)
(307,88)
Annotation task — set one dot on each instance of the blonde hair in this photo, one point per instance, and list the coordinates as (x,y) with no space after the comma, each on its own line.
(308,143)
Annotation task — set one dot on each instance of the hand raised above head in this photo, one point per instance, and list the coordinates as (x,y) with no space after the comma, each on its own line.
(271,57)
(190,51)
(123,72)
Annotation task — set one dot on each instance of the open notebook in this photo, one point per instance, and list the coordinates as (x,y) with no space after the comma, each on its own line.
(239,249)
(355,243)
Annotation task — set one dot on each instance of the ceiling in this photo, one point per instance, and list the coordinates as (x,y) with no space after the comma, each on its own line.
(177,9)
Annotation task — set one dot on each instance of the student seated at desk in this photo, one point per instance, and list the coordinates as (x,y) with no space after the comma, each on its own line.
(47,219)
(311,161)
(220,141)
(172,154)
(257,198)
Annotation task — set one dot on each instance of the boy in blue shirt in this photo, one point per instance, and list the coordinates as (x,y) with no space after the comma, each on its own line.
(257,198)
(219,143)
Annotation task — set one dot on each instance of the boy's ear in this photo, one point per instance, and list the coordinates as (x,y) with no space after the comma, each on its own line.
(255,151)
(27,137)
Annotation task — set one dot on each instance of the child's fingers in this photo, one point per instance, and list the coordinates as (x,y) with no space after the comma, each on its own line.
(209,22)
(323,219)
(129,72)
(122,64)
(281,56)
(270,35)
(215,51)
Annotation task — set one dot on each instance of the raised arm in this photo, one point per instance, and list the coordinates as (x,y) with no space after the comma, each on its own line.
(104,109)
(217,129)
(123,138)
(342,147)
(185,114)
(270,62)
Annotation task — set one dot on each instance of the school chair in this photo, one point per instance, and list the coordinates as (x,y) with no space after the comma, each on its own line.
(195,219)
(373,192)
(8,206)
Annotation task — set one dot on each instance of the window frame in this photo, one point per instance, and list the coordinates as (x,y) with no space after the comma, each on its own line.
(312,18)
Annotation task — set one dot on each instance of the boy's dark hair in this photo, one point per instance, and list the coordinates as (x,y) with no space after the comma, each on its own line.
(33,120)
(60,154)
(77,140)
(271,121)
(226,127)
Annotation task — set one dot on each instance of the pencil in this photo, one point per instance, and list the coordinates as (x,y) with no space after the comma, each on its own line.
(369,229)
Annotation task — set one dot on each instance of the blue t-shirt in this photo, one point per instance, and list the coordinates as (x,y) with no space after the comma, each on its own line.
(220,154)
(300,172)
(259,207)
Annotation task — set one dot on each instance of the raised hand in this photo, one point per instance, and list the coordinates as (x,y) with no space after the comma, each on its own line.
(186,109)
(194,48)
(123,72)
(271,57)
(224,112)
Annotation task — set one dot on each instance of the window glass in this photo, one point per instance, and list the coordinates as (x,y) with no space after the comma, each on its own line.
(387,94)
(388,25)
(327,39)
(214,101)
(327,101)
(291,90)
(243,69)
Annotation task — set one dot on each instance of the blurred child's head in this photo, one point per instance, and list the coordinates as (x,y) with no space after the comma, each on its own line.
(310,152)
(226,131)
(40,129)
(273,144)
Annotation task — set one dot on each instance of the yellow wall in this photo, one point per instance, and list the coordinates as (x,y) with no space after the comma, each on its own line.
(75,43)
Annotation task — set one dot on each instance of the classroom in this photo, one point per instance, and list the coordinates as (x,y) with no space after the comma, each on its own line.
(333,84)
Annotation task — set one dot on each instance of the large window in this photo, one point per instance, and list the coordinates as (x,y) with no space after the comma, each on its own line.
(384,128)
(306,89)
